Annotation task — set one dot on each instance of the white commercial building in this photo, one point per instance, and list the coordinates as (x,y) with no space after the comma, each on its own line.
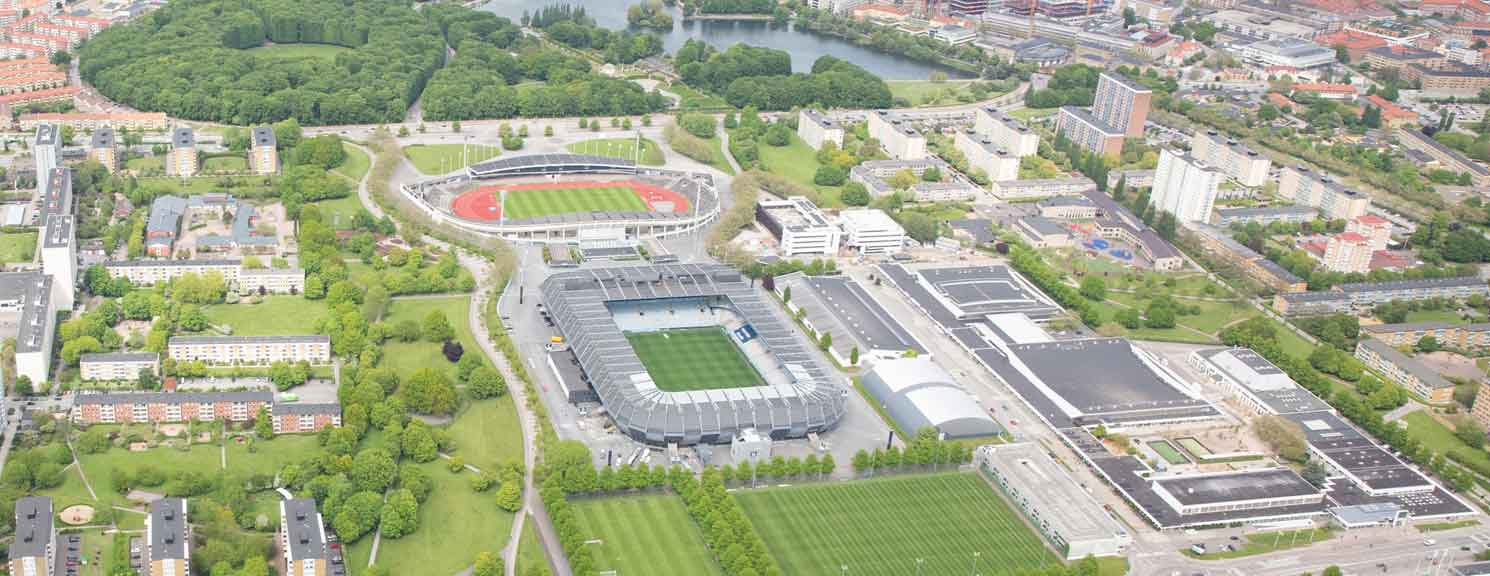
(1007,131)
(800,225)
(917,393)
(1185,186)
(816,128)
(871,231)
(1242,164)
(1060,508)
(895,133)
(117,365)
(986,154)
(250,349)
(1290,52)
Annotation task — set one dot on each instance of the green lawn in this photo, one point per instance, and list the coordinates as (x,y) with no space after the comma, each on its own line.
(225,164)
(268,457)
(326,51)
(487,433)
(1440,439)
(882,525)
(356,165)
(170,460)
(1028,113)
(1168,452)
(928,93)
(1268,542)
(548,202)
(798,162)
(446,158)
(644,535)
(1445,315)
(407,357)
(17,246)
(693,98)
(455,524)
(651,154)
(249,186)
(693,359)
(145,163)
(339,211)
(276,315)
(530,556)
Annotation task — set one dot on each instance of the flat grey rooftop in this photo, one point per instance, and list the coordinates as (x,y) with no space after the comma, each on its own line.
(306,537)
(839,305)
(1237,487)
(983,290)
(33,527)
(168,532)
(1104,377)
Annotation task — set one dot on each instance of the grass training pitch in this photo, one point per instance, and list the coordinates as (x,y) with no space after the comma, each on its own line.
(693,359)
(445,158)
(17,246)
(644,535)
(882,526)
(624,148)
(548,202)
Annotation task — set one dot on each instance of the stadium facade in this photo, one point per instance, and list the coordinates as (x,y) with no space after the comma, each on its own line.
(799,395)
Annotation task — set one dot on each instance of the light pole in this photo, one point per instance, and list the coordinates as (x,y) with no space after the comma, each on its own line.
(975,562)
(843,568)
(919,562)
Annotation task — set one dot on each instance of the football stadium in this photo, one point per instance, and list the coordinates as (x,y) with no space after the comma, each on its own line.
(690,353)
(573,198)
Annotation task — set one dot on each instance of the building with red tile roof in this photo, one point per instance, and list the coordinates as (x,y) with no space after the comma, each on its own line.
(1326,90)
(1392,115)
(1281,101)
(1356,44)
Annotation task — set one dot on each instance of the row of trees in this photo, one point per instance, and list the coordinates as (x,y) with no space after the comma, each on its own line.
(762,77)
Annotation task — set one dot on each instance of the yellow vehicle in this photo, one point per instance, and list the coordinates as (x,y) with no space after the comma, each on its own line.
(556,339)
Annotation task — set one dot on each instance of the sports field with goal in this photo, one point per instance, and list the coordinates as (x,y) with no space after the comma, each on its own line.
(650,534)
(693,359)
(548,202)
(882,526)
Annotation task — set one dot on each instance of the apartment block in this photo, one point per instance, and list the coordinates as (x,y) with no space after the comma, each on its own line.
(152,272)
(1450,158)
(896,135)
(28,314)
(1090,133)
(295,418)
(263,152)
(155,407)
(871,231)
(96,120)
(1481,409)
(1265,215)
(1449,334)
(800,225)
(315,349)
(169,537)
(1016,190)
(1311,303)
(1185,186)
(1306,187)
(103,149)
(1404,370)
(1376,230)
(117,366)
(986,154)
(59,257)
(182,159)
(1122,103)
(1242,164)
(1006,131)
(1365,295)
(1219,245)
(271,280)
(46,152)
(816,129)
(1348,252)
(33,550)
(302,538)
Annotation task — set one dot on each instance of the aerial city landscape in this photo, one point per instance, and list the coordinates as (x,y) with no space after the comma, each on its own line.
(745,287)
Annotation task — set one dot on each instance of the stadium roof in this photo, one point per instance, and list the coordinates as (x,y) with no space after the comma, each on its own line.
(810,399)
(548,163)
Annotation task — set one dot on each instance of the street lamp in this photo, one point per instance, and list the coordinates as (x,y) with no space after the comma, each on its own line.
(976,554)
(919,562)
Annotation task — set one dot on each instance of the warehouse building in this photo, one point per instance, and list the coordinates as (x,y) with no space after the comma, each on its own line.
(1236,491)
(839,306)
(1072,520)
(917,393)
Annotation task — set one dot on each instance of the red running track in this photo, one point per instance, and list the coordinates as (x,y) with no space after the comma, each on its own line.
(482,204)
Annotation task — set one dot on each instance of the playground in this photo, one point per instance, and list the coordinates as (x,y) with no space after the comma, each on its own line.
(539,199)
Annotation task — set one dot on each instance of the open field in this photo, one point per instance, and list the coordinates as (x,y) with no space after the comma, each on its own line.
(282,314)
(530,556)
(145,163)
(445,158)
(407,357)
(355,166)
(242,185)
(649,534)
(455,524)
(798,162)
(535,203)
(928,93)
(693,359)
(225,164)
(487,433)
(883,525)
(1268,542)
(651,154)
(1441,440)
(692,98)
(17,246)
(1168,452)
(339,211)
(1029,113)
(1446,315)
(326,51)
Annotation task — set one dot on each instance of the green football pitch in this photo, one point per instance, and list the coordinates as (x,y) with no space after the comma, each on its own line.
(882,526)
(548,202)
(693,359)
(649,534)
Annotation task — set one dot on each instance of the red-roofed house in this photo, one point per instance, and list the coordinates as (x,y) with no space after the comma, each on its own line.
(1182,52)
(1326,90)
(1356,44)
(1281,101)
(1392,115)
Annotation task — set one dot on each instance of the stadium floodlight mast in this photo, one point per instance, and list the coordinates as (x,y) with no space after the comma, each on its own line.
(919,562)
(976,554)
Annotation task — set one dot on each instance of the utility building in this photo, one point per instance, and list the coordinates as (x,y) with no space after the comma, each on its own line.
(917,393)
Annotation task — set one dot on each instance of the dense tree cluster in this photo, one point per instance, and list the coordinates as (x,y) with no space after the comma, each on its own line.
(731,6)
(922,451)
(1072,85)
(1029,263)
(762,77)
(188,59)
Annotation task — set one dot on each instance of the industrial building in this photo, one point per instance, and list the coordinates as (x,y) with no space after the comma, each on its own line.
(839,306)
(1254,383)
(1074,523)
(799,225)
(1249,490)
(917,393)
(1139,389)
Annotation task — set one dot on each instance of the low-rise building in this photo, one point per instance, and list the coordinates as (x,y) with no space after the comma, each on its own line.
(1017,190)
(293,418)
(1450,158)
(1399,58)
(1392,115)
(96,120)
(122,366)
(896,135)
(152,272)
(1324,90)
(816,129)
(1449,79)
(1067,208)
(1060,508)
(1266,272)
(871,231)
(302,538)
(169,537)
(154,407)
(799,225)
(1042,232)
(271,280)
(1405,371)
(1481,409)
(1311,303)
(1449,334)
(1265,215)
(1364,295)
(315,349)
(1294,52)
